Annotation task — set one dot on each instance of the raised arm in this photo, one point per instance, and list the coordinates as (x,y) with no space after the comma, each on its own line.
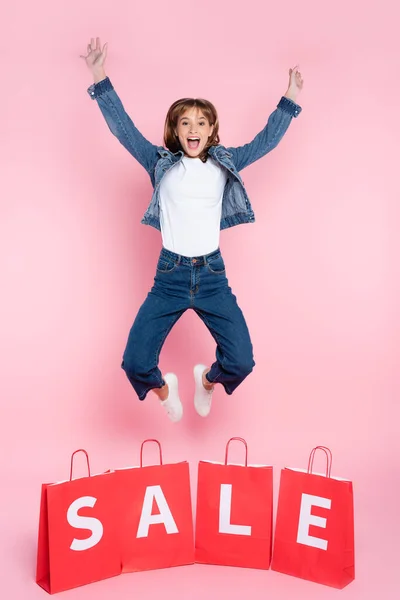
(275,128)
(119,122)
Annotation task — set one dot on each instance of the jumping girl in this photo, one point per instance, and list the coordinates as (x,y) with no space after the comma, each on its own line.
(197,192)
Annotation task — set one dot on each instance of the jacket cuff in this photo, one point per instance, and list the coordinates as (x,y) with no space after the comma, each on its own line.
(97,89)
(289,106)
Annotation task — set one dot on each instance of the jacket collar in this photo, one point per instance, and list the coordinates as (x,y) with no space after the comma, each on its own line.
(214,151)
(219,151)
(164,152)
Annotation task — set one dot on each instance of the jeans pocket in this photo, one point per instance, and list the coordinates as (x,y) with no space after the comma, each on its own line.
(216,265)
(165,265)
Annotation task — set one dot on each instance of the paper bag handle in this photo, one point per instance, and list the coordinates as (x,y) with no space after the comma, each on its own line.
(141,450)
(72,462)
(328,455)
(239,439)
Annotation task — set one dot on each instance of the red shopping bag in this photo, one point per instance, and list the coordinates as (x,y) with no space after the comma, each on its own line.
(234,514)
(314,537)
(77,542)
(156,515)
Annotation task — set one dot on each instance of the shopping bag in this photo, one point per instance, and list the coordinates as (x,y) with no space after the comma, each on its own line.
(314,537)
(234,513)
(77,541)
(156,515)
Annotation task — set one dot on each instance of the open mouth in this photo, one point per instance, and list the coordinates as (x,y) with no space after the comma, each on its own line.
(193,143)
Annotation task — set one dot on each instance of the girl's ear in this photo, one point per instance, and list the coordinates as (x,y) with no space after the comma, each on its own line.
(212,131)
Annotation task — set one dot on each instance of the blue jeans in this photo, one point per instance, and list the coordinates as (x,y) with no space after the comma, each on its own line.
(183,283)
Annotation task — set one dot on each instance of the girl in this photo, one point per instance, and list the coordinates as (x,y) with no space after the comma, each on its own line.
(197,192)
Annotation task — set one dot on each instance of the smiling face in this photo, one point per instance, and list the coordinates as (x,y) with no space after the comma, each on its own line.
(193,130)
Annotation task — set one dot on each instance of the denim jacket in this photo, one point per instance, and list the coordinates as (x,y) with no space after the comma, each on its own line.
(157,160)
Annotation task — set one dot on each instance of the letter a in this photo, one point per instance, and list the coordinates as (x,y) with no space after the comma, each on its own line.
(154,492)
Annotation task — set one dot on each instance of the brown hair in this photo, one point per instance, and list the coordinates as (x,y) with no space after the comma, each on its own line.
(171,140)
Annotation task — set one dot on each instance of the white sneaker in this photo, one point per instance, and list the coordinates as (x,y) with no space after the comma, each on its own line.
(173,405)
(202,397)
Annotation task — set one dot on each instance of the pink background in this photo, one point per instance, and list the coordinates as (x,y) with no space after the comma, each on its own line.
(316,275)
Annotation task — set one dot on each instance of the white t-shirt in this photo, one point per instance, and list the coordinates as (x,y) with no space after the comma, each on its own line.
(190,206)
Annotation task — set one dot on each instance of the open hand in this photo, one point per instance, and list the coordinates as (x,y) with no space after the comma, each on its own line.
(96,55)
(295,82)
